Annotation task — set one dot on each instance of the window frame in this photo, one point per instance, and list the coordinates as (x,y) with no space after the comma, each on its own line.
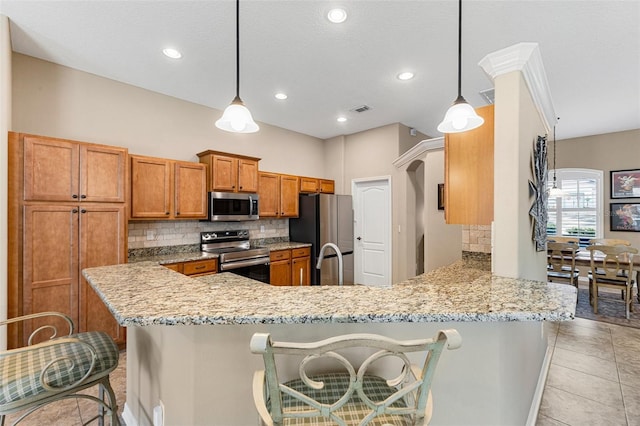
(574,174)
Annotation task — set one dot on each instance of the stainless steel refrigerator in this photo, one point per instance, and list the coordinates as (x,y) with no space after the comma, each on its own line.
(326,218)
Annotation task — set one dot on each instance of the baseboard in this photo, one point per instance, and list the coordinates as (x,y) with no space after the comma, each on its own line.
(128,417)
(537,395)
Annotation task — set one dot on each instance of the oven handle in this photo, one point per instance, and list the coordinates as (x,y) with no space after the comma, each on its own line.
(243,263)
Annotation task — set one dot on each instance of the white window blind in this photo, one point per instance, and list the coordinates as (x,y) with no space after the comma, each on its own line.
(579,211)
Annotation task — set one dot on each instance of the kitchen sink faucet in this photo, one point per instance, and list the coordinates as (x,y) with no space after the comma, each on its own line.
(339,254)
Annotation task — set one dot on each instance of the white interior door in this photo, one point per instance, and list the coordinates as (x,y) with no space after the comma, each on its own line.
(372,231)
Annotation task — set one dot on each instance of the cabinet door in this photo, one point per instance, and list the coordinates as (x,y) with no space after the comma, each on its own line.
(150,187)
(51,168)
(190,180)
(300,271)
(327,186)
(280,272)
(288,196)
(269,191)
(247,175)
(102,173)
(309,185)
(50,263)
(469,174)
(224,173)
(96,222)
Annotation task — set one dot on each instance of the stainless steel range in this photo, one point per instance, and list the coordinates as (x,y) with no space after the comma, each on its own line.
(236,254)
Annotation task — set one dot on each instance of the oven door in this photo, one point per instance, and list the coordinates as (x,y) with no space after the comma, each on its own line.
(256,269)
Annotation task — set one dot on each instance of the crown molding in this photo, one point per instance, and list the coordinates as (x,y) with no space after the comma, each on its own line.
(418,150)
(526,58)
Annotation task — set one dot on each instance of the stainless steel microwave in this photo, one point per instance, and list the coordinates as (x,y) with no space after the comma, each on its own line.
(232,206)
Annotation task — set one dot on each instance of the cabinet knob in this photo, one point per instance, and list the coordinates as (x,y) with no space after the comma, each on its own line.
(74,211)
(83,196)
(83,211)
(241,187)
(166,213)
(74,196)
(177,213)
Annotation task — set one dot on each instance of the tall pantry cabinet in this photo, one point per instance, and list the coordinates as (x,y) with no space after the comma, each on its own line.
(67,212)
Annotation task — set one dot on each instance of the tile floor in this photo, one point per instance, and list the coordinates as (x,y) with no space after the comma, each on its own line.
(594,379)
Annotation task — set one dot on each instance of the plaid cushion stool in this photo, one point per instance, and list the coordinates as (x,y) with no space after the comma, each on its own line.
(35,375)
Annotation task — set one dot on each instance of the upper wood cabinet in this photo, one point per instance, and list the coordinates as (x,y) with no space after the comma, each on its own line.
(309,185)
(278,195)
(63,170)
(167,189)
(229,172)
(469,173)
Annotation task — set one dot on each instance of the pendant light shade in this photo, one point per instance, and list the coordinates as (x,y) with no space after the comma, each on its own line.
(461,116)
(237,117)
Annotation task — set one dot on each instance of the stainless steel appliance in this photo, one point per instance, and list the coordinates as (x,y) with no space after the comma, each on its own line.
(236,254)
(232,206)
(326,218)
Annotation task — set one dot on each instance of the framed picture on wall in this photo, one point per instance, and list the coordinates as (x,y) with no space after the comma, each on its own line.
(441,196)
(625,217)
(625,183)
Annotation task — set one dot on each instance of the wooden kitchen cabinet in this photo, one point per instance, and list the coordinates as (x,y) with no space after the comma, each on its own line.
(301,266)
(310,185)
(278,195)
(229,172)
(469,173)
(60,241)
(66,212)
(195,268)
(63,170)
(167,189)
(280,268)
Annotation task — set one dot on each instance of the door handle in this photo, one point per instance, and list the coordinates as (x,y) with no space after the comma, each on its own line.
(358,238)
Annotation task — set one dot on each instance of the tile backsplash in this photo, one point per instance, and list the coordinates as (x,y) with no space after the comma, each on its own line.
(186,232)
(476,238)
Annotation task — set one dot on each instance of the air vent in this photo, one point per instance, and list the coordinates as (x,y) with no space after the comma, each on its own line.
(489,95)
(361,108)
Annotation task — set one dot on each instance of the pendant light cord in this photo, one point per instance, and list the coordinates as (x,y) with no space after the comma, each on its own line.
(554,154)
(459,49)
(238,49)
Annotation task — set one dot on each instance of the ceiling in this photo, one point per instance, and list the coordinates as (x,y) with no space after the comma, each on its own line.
(590,50)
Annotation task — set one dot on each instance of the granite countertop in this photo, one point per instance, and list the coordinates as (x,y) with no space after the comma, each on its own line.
(285,245)
(146,293)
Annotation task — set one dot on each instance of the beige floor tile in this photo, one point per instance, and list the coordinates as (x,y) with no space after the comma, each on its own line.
(594,346)
(586,385)
(548,421)
(581,322)
(626,337)
(631,396)
(585,363)
(575,410)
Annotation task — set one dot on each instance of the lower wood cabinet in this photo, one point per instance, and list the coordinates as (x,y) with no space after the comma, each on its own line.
(291,267)
(59,242)
(195,268)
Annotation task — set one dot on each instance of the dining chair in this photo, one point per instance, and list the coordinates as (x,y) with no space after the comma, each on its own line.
(561,262)
(559,239)
(609,242)
(352,395)
(57,368)
(611,267)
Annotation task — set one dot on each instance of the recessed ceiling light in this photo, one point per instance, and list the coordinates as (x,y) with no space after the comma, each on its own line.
(337,15)
(341,119)
(172,53)
(281,96)
(407,75)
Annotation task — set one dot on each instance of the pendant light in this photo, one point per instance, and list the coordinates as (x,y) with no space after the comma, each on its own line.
(554,192)
(461,116)
(237,117)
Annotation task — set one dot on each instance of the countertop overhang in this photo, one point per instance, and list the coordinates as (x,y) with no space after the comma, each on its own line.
(146,293)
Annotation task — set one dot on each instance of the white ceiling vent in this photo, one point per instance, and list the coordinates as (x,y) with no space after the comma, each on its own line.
(489,95)
(361,108)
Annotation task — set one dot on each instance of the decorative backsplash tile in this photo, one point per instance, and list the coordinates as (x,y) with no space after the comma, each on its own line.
(476,238)
(187,232)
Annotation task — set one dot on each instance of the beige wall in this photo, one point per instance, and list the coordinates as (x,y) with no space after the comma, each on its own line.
(517,125)
(57,101)
(613,151)
(5,125)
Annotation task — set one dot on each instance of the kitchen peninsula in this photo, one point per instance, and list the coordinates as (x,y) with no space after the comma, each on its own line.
(188,338)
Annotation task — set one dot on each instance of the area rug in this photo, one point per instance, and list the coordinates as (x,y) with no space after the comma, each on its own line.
(610,308)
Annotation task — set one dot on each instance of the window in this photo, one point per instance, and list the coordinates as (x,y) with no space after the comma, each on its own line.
(579,211)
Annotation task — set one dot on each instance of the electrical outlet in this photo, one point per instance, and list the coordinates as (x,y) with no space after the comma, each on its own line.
(158,414)
(261,228)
